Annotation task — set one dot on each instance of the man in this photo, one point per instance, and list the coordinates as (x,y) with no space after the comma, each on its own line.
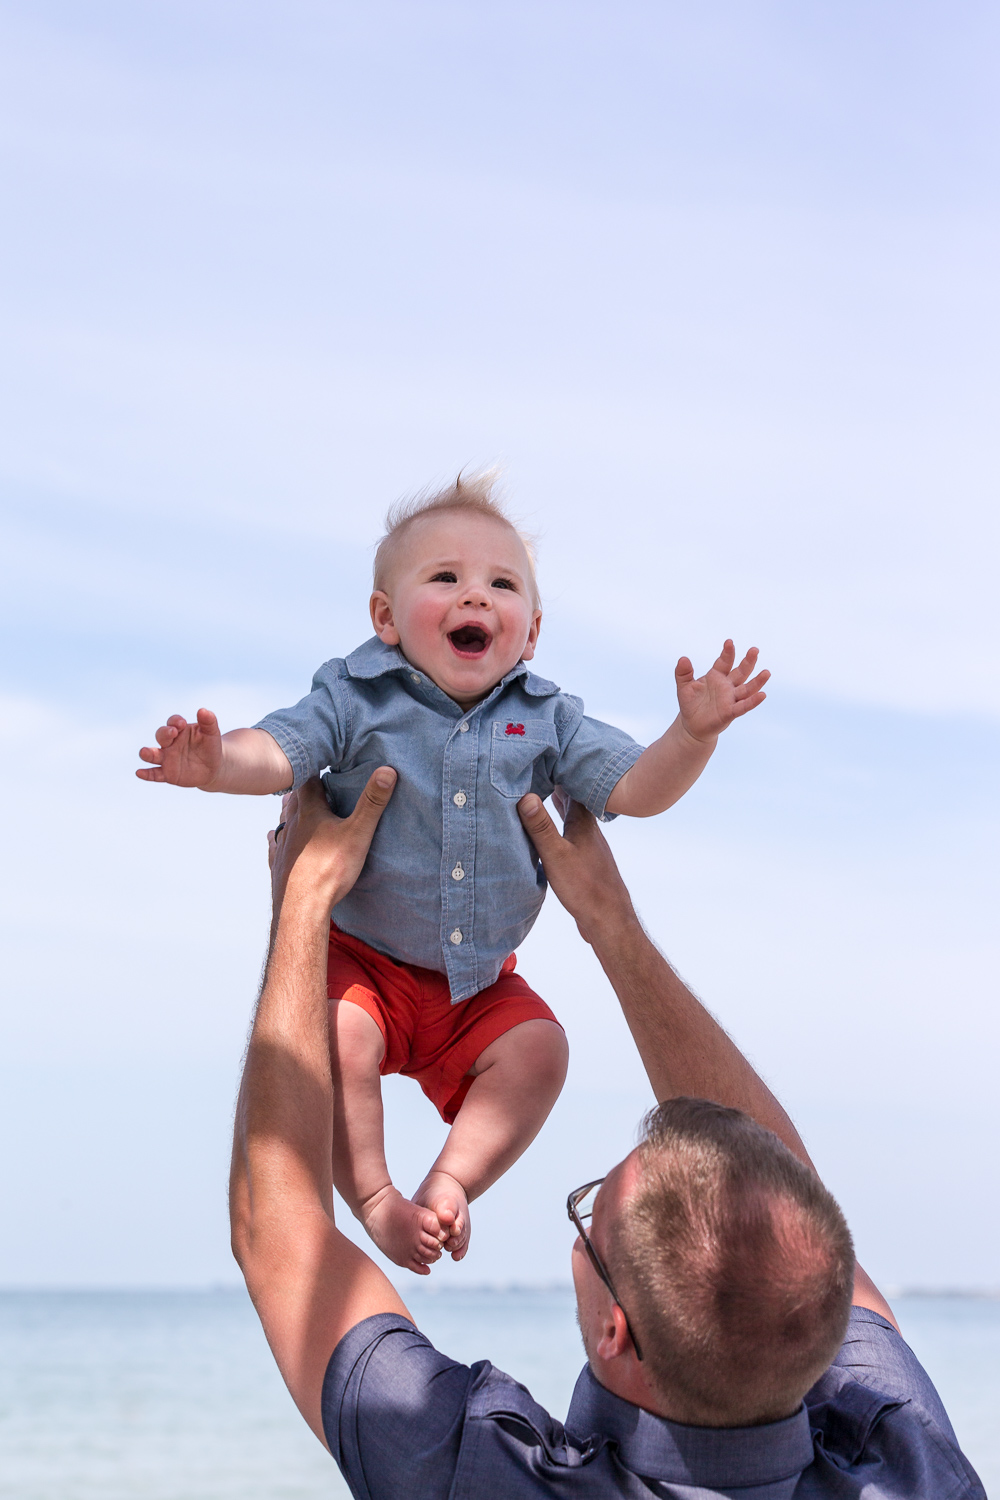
(714,1274)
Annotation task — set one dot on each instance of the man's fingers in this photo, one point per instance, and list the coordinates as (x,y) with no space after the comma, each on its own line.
(540,828)
(376,794)
(579,820)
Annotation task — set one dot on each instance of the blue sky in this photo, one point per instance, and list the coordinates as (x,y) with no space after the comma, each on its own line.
(718,288)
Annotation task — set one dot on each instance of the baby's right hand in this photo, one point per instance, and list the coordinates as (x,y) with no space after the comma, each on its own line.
(189,754)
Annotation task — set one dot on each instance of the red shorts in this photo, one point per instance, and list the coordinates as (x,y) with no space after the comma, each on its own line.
(426,1037)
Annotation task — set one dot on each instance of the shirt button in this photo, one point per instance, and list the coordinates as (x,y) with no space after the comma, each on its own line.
(463,728)
(457,874)
(414,676)
(460,799)
(455,937)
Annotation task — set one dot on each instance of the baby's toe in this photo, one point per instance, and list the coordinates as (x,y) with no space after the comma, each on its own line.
(430,1232)
(458,1233)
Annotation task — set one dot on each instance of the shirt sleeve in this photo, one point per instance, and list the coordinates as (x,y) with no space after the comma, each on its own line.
(394,1411)
(875,1413)
(878,1357)
(593,757)
(315,732)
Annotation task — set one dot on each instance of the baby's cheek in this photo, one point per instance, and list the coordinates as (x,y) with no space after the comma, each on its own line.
(421,628)
(514,621)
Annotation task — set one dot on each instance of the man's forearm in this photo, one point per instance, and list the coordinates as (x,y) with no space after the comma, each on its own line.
(284,1131)
(683,1048)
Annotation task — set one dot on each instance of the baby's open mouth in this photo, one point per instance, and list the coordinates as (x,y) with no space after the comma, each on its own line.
(469,640)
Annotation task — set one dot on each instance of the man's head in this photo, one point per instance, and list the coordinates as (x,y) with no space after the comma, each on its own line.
(455,588)
(733,1262)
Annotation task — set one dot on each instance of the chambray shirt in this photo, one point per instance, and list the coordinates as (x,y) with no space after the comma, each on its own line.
(404,1422)
(452,881)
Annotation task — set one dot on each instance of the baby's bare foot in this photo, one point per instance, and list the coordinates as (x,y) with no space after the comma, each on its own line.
(445,1197)
(408,1233)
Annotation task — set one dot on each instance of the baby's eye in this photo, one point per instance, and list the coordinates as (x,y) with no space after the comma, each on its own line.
(447,576)
(505,583)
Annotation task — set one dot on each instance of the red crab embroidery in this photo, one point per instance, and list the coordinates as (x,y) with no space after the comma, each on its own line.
(514,729)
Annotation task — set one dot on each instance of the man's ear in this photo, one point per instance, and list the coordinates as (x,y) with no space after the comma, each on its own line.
(615,1338)
(535,627)
(381,613)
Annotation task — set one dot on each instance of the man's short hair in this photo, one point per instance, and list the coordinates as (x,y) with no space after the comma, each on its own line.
(735,1263)
(476,494)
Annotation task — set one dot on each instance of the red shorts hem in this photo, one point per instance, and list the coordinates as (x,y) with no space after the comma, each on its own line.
(425,1036)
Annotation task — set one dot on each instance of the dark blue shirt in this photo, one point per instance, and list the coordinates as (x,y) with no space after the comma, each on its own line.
(404,1422)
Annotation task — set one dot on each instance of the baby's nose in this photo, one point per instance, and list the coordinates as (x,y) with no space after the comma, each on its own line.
(478,598)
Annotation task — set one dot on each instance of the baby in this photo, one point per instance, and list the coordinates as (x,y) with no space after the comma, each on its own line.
(421,976)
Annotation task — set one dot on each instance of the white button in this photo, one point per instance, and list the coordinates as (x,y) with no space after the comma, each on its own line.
(414,676)
(456,937)
(460,799)
(463,728)
(458,874)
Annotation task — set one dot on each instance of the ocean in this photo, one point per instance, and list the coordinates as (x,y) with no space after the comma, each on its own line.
(132,1395)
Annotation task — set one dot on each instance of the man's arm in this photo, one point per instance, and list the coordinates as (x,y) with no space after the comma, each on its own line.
(309,1284)
(684,1049)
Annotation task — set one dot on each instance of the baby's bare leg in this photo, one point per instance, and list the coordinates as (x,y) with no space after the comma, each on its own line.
(517,1080)
(408,1233)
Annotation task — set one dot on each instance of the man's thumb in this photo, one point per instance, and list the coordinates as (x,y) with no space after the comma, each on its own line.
(378,790)
(536,820)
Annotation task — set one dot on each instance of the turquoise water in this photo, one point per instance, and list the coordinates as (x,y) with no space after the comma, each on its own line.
(174,1395)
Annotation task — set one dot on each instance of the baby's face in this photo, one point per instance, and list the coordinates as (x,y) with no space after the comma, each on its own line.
(459,603)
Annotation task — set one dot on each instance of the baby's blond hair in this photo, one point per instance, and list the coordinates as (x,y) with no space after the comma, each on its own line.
(477,493)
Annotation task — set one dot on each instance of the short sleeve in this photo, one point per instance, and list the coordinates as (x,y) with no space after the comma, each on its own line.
(394,1411)
(877,1356)
(875,1414)
(314,733)
(592,760)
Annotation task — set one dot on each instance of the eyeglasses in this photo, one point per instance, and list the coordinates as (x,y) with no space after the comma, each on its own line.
(580,1208)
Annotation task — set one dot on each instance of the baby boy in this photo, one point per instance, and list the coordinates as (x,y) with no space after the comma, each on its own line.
(421,976)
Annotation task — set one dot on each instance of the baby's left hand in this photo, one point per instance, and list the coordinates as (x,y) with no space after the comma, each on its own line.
(709,704)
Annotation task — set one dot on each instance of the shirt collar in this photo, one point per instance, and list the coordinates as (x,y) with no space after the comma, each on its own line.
(710,1457)
(375,659)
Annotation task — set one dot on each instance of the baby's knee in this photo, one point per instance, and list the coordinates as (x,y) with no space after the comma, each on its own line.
(355,1036)
(546,1051)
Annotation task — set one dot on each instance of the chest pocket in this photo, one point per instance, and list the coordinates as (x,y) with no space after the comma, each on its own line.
(516,745)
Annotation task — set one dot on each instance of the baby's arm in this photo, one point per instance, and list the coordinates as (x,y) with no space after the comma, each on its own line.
(244,760)
(673,763)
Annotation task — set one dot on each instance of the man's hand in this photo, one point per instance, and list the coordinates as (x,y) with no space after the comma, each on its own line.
(709,704)
(578,864)
(324,854)
(188,754)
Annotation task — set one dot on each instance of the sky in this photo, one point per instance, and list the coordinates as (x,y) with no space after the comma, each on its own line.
(716,286)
